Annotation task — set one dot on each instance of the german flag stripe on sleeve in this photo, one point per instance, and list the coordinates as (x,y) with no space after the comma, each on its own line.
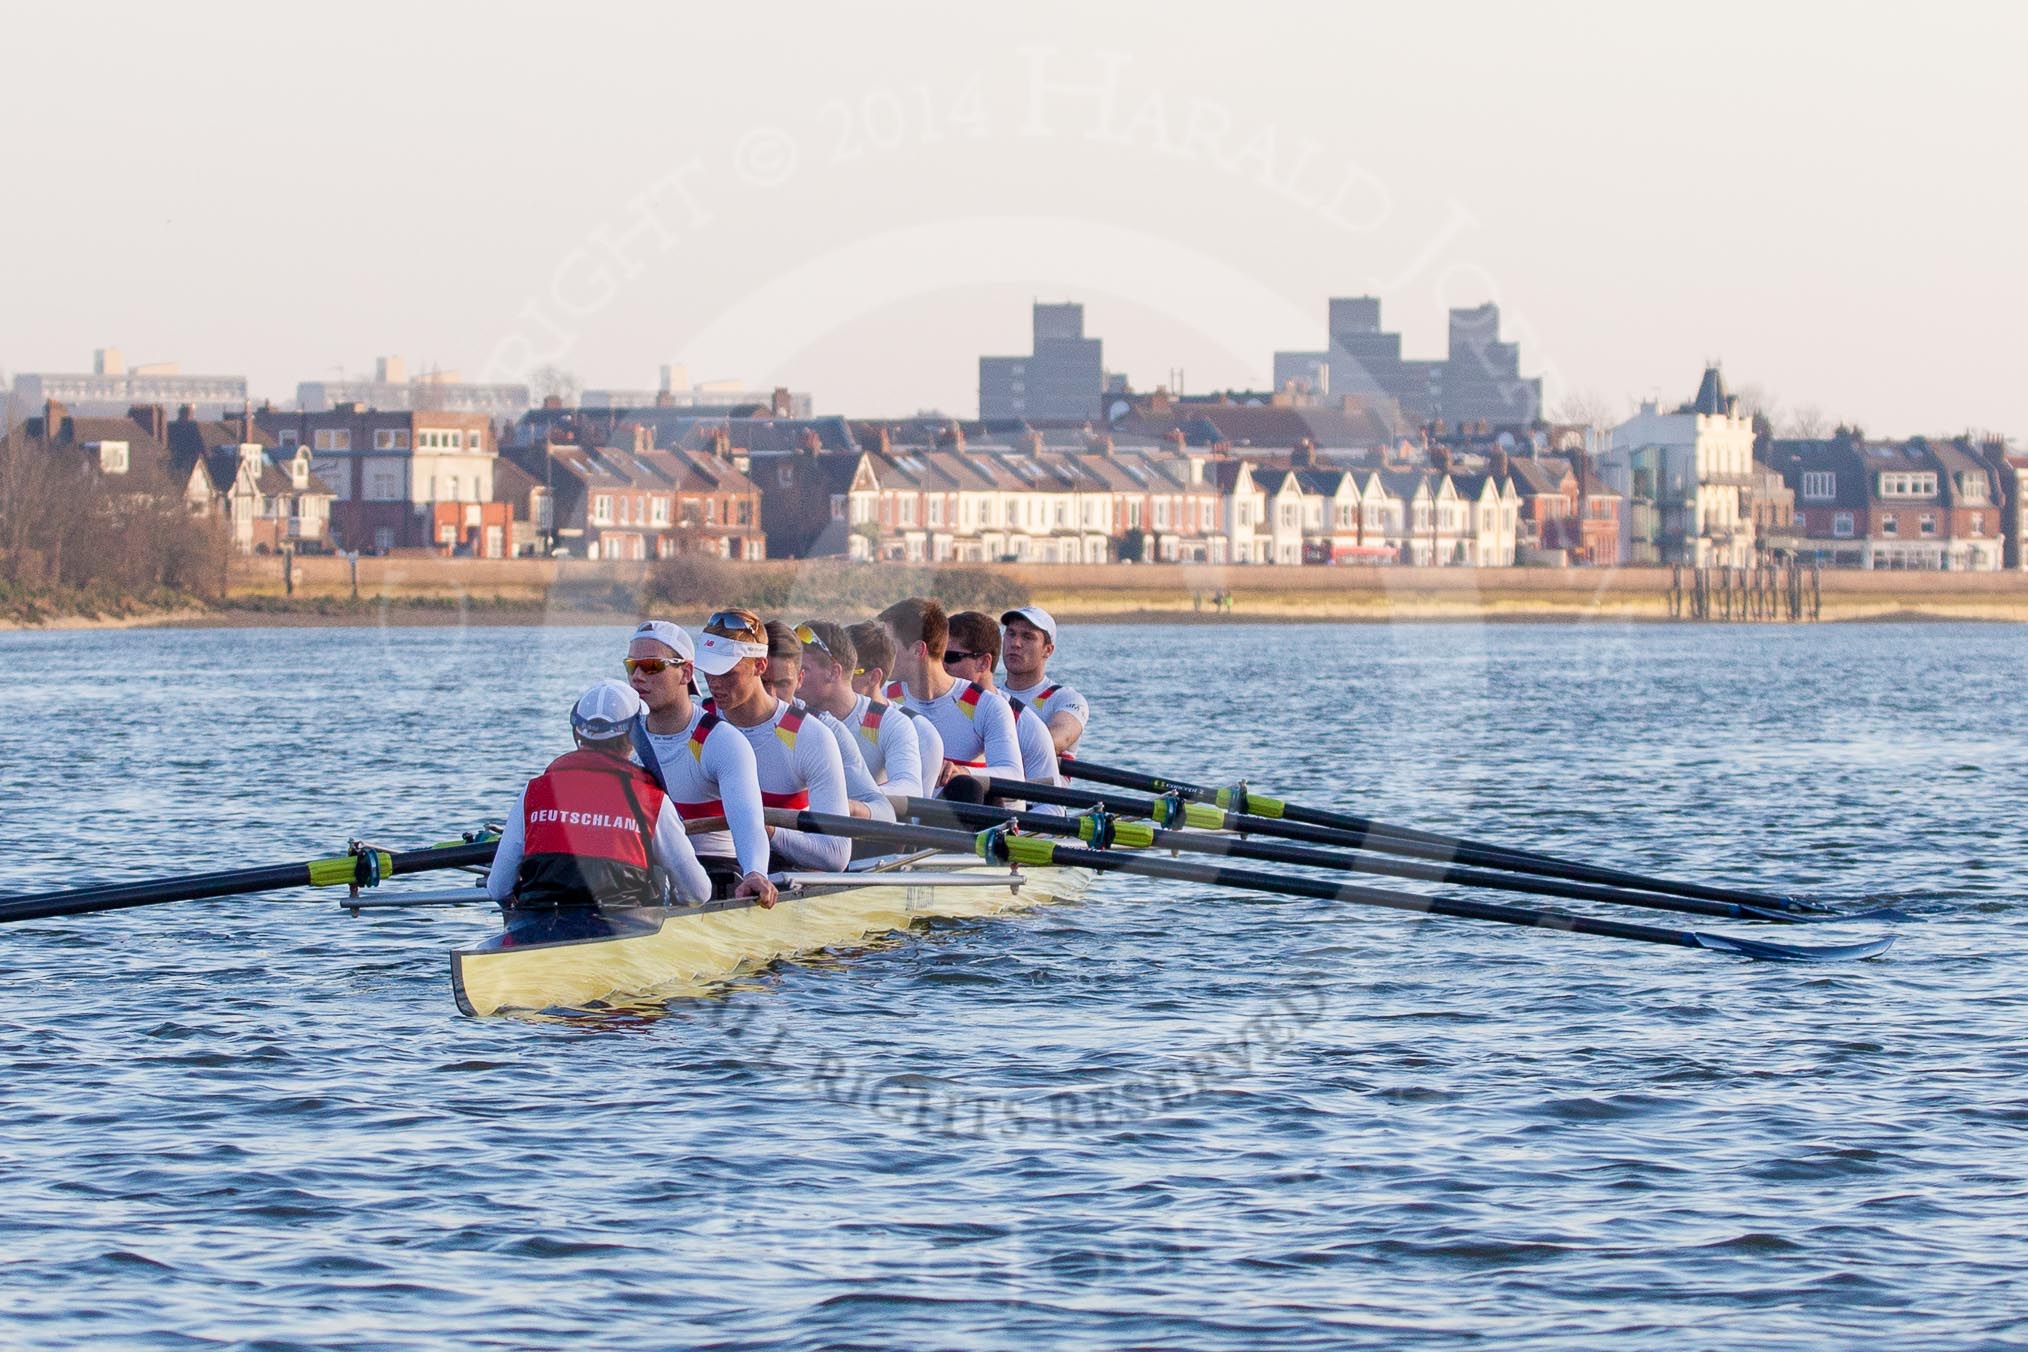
(968,699)
(791,724)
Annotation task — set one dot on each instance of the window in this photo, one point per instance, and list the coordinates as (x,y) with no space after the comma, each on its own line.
(1928,523)
(936,510)
(602,509)
(1133,513)
(1820,484)
(711,511)
(1062,515)
(290,437)
(661,511)
(1978,523)
(112,457)
(384,485)
(1288,514)
(908,511)
(1904,485)
(333,439)
(383,538)
(1890,525)
(1161,513)
(746,511)
(390,438)
(1841,524)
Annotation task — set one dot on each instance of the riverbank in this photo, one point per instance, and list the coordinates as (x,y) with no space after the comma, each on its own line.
(436,591)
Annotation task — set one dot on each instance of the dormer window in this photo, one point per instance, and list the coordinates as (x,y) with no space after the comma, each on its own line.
(112,457)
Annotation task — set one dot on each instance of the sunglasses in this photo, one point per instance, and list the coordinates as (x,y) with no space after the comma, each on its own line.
(952,658)
(740,624)
(652,666)
(807,636)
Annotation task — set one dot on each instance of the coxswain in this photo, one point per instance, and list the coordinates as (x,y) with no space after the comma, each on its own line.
(971,653)
(976,723)
(786,664)
(797,763)
(1028,640)
(594,830)
(900,743)
(706,769)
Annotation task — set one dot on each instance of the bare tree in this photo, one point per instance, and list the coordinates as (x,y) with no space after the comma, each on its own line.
(1757,401)
(1808,423)
(551,381)
(1588,409)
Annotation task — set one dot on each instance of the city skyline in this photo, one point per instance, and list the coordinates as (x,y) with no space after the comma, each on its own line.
(1808,196)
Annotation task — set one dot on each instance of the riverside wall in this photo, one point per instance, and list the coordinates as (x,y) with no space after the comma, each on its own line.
(1158,591)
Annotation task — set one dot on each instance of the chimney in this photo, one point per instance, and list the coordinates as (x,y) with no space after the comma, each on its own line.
(721,444)
(781,403)
(184,413)
(665,398)
(1440,458)
(1174,437)
(644,438)
(1499,462)
(552,401)
(809,443)
(1304,456)
(883,441)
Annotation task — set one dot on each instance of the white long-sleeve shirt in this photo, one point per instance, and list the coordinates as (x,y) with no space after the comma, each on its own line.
(714,776)
(671,850)
(977,728)
(801,761)
(890,746)
(859,783)
(1038,752)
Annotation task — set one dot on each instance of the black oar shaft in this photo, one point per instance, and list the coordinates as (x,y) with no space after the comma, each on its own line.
(230,882)
(1225,875)
(1442,848)
(1204,842)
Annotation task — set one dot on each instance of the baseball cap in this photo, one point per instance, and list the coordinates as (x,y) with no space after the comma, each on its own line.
(605,710)
(729,638)
(670,636)
(1034,615)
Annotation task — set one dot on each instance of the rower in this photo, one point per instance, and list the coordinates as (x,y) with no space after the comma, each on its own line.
(594,830)
(1029,636)
(705,769)
(798,765)
(971,653)
(976,723)
(786,666)
(886,727)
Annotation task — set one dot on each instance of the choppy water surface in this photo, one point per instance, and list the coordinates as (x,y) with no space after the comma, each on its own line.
(1163,1117)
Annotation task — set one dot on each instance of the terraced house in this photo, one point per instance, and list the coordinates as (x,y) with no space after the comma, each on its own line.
(635,500)
(1915,504)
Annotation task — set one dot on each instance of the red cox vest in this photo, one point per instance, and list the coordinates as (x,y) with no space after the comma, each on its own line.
(588,826)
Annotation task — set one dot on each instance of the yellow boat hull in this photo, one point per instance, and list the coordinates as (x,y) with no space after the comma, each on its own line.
(649,954)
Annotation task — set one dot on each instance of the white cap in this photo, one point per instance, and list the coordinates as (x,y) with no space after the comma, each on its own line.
(1034,615)
(605,710)
(670,636)
(719,653)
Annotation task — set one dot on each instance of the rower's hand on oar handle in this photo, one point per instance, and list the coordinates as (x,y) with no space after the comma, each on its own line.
(759,887)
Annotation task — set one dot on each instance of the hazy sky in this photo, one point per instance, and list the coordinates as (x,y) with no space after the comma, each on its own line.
(859,200)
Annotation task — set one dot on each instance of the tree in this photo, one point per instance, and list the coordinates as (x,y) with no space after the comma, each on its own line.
(1587,409)
(1756,401)
(1130,547)
(552,382)
(1808,423)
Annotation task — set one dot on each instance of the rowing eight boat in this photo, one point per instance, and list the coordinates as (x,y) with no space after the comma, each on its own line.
(575,960)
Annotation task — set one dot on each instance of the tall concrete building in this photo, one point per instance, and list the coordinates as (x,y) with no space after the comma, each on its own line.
(112,387)
(1062,378)
(1478,379)
(393,390)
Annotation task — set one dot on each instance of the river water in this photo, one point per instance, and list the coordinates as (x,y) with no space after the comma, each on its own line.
(1163,1117)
